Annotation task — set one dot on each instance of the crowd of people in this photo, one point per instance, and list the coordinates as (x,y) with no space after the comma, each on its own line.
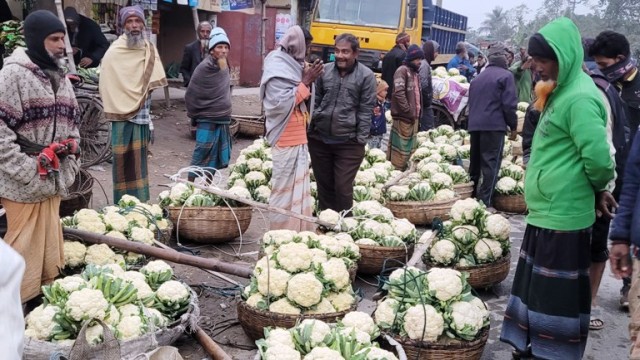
(581,160)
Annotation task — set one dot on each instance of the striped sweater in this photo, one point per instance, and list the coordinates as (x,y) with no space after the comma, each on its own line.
(29,107)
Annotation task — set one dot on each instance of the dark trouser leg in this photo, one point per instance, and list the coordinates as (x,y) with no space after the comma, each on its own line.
(427,121)
(491,144)
(348,158)
(322,158)
(475,161)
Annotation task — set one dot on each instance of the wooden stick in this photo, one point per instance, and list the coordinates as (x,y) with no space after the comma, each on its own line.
(420,249)
(395,180)
(169,255)
(214,273)
(211,347)
(255,204)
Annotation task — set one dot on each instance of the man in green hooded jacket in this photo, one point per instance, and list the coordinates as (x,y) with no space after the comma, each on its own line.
(547,316)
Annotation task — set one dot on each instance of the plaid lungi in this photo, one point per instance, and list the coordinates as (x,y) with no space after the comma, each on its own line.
(129,143)
(550,299)
(213,145)
(402,143)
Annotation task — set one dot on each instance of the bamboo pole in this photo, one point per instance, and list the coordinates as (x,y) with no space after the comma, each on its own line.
(67,43)
(255,204)
(169,255)
(211,347)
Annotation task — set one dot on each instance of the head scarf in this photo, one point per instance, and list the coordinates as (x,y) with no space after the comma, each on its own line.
(413,52)
(618,70)
(37,26)
(71,15)
(293,43)
(126,12)
(539,47)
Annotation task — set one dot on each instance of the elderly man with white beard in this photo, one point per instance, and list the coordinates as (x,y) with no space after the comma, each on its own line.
(131,69)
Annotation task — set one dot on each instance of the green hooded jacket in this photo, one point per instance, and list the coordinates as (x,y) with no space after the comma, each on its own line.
(524,82)
(570,160)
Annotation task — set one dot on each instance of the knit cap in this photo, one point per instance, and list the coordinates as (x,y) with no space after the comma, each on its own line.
(414,52)
(218,35)
(37,26)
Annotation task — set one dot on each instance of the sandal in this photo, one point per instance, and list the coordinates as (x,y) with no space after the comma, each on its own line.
(596,323)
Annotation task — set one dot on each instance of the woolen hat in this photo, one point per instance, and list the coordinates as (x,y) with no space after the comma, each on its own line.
(37,26)
(218,36)
(414,52)
(539,47)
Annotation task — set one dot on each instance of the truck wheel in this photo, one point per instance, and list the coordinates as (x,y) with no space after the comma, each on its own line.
(441,116)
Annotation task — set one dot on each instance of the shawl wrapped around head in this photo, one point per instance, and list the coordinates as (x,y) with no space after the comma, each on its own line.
(280,79)
(127,77)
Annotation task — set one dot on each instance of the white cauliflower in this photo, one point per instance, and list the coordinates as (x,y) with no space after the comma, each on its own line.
(130,310)
(484,311)
(445,283)
(487,250)
(323,307)
(280,336)
(278,237)
(361,321)
(343,237)
(367,242)
(427,168)
(331,245)
(130,327)
(423,323)
(465,234)
(465,321)
(71,283)
(40,322)
(404,229)
(386,313)
(99,254)
(265,262)
(256,300)
(172,291)
(240,192)
(94,334)
(441,181)
(115,221)
(87,215)
(74,253)
(305,289)
(112,317)
(318,256)
(86,304)
(273,282)
(357,335)
(255,179)
(179,193)
(380,354)
(294,257)
(448,151)
(343,300)
(464,210)
(142,235)
(115,269)
(506,185)
(498,227)
(336,272)
(376,156)
(128,200)
(365,177)
(97,227)
(283,306)
(281,352)
(320,330)
(156,317)
(139,281)
(239,183)
(137,218)
(348,224)
(330,217)
(444,195)
(263,193)
(323,353)
(443,252)
(254,164)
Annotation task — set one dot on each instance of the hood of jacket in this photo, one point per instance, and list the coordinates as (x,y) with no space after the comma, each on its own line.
(564,38)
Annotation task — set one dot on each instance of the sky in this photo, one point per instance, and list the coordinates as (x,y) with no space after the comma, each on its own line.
(475,10)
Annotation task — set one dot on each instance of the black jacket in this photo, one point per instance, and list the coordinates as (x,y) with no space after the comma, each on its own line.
(390,63)
(493,101)
(90,40)
(191,58)
(531,118)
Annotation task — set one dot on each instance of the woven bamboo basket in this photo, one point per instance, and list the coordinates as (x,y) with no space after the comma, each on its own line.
(510,203)
(210,225)
(445,348)
(234,127)
(164,236)
(80,193)
(464,190)
(485,275)
(372,258)
(253,321)
(251,127)
(421,213)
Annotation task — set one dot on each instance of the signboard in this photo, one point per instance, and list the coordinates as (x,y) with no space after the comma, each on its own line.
(235,5)
(283,23)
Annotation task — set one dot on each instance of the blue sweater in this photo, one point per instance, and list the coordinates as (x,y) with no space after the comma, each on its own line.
(457,61)
(625,227)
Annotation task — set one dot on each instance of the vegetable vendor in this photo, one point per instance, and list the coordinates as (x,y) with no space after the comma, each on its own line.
(208,101)
(285,90)
(461,62)
(38,148)
(88,42)
(131,69)
(570,163)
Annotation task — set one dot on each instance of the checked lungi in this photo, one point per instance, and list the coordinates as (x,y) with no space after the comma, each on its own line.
(130,147)
(213,144)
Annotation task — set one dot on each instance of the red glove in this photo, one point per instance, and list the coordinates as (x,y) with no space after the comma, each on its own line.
(48,163)
(72,146)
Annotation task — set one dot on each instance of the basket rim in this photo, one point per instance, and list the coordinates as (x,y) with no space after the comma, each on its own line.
(422,203)
(467,184)
(483,336)
(273,315)
(218,207)
(497,194)
(504,258)
(385,248)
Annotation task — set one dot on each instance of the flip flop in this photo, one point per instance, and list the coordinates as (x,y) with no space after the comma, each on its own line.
(596,323)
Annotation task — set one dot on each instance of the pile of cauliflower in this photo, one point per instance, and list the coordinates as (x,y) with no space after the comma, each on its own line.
(472,237)
(374,172)
(452,74)
(303,273)
(252,171)
(130,303)
(424,306)
(511,179)
(182,194)
(352,338)
(372,224)
(129,220)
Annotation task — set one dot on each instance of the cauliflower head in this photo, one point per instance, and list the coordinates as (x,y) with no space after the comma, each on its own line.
(283,306)
(142,235)
(444,195)
(323,353)
(323,307)
(465,210)
(380,354)
(173,291)
(506,185)
(498,227)
(318,256)
(294,257)
(74,253)
(87,304)
(281,352)
(404,229)
(273,282)
(423,323)
(465,320)
(343,300)
(361,321)
(443,252)
(305,289)
(487,250)
(444,284)
(257,301)
(320,331)
(71,283)
(278,237)
(386,313)
(280,336)
(40,322)
(335,271)
(130,327)
(99,254)
(330,217)
(116,221)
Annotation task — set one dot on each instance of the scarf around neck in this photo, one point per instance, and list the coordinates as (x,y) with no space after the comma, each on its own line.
(618,70)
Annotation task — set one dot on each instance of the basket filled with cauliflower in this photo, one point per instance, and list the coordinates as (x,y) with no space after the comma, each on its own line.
(302,275)
(204,217)
(509,191)
(142,309)
(379,235)
(433,314)
(252,170)
(355,337)
(474,242)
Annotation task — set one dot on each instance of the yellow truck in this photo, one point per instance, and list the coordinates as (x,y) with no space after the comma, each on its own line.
(377,22)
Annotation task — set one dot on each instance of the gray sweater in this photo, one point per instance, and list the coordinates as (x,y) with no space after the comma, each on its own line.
(209,93)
